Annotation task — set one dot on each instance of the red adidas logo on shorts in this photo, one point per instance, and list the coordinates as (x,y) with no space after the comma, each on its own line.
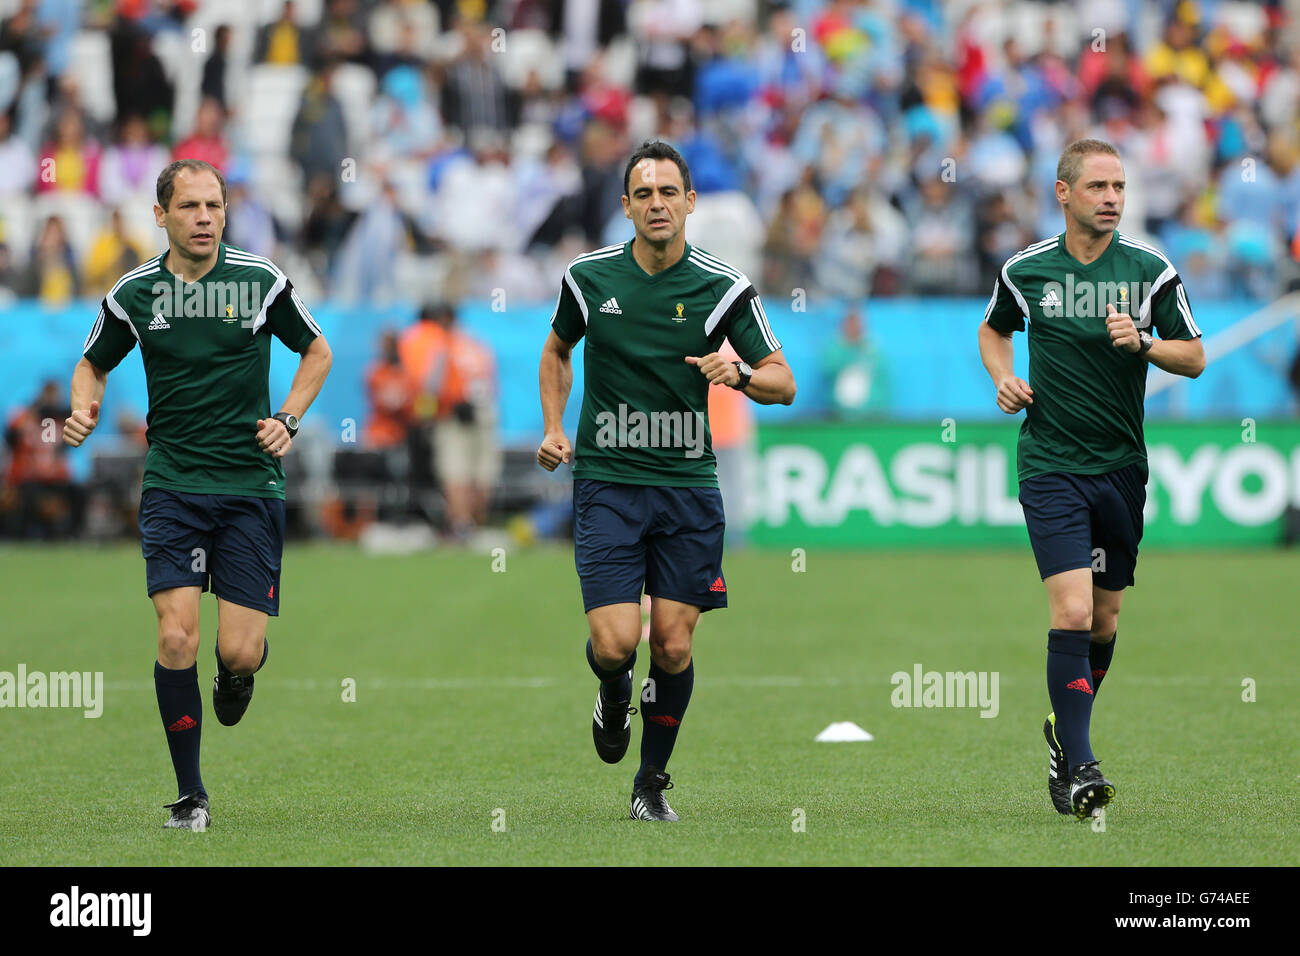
(718,586)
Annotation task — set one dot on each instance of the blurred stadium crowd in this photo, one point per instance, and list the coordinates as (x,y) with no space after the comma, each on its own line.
(440,151)
(847,148)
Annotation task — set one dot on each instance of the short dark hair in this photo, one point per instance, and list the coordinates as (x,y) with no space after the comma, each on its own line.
(166,184)
(656,149)
(1067,169)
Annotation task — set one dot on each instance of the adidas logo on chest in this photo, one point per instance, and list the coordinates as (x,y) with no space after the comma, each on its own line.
(611,306)
(158,323)
(1050,301)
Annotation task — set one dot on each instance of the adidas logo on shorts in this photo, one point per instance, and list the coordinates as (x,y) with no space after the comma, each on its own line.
(158,323)
(611,306)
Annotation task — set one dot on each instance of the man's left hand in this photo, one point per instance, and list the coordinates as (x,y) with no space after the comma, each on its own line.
(273,438)
(716,369)
(1123,333)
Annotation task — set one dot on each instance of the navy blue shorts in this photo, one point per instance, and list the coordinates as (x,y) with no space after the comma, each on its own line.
(668,540)
(1086,521)
(233,541)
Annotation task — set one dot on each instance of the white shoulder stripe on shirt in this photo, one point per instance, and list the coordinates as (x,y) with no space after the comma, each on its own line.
(144,269)
(572,283)
(94,332)
(714,260)
(1167,275)
(1145,247)
(760,316)
(302,311)
(260,319)
(738,285)
(1035,249)
(115,307)
(604,252)
(239,255)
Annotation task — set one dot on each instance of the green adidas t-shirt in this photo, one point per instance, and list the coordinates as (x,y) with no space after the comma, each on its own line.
(645,410)
(1086,418)
(206,347)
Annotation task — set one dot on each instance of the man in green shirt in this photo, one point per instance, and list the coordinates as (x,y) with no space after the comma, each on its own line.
(647,511)
(1091,296)
(859,381)
(212,502)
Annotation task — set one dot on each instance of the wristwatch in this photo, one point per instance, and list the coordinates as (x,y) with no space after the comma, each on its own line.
(746,373)
(1146,340)
(290,422)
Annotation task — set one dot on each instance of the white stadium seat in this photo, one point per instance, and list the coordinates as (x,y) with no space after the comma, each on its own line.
(354,88)
(529,50)
(91,64)
(620,62)
(19,224)
(728,226)
(274,94)
(277,181)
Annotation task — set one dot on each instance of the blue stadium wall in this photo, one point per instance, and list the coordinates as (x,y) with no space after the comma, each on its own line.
(928,346)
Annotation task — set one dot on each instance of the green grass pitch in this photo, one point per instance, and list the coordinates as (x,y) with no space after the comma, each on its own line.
(473,708)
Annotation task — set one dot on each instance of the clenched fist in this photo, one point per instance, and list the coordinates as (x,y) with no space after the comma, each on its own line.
(273,437)
(1014,394)
(716,369)
(78,428)
(1123,333)
(555,448)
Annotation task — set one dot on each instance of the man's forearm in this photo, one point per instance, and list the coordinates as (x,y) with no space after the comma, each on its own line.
(88,383)
(1178,356)
(996,352)
(309,379)
(555,379)
(771,385)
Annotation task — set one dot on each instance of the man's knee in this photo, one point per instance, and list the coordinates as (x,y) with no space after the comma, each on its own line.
(241,653)
(1073,614)
(670,648)
(178,640)
(612,643)
(1104,625)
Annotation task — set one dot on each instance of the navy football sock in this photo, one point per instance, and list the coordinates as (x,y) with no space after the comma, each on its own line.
(1069,685)
(1099,656)
(662,714)
(181,709)
(615,684)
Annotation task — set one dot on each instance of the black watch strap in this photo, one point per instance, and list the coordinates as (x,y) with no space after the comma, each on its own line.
(290,422)
(744,379)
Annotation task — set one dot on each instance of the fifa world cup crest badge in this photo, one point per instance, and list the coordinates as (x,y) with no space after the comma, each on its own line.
(1122,305)
(679,317)
(230,314)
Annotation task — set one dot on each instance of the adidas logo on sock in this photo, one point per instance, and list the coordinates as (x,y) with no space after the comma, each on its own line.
(158,323)
(1079,684)
(1050,301)
(611,306)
